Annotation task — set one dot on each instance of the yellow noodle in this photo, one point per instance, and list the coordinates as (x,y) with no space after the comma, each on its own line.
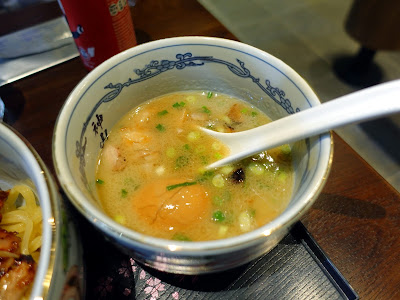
(35,244)
(8,254)
(25,220)
(20,227)
(35,256)
(28,195)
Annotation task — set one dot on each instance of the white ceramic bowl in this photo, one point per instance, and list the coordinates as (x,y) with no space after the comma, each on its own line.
(60,255)
(176,64)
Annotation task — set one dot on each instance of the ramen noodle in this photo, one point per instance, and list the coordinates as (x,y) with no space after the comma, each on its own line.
(151,175)
(20,241)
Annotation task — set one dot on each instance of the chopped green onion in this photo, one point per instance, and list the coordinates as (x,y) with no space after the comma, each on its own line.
(181,161)
(200,149)
(218,216)
(160,127)
(252,212)
(222,230)
(245,221)
(163,112)
(208,173)
(254,113)
(174,186)
(216,146)
(218,200)
(209,95)
(99,181)
(226,169)
(244,110)
(186,147)
(218,181)
(124,193)
(256,168)
(193,135)
(282,176)
(285,149)
(191,99)
(178,104)
(170,152)
(206,110)
(181,237)
(205,174)
(119,219)
(218,155)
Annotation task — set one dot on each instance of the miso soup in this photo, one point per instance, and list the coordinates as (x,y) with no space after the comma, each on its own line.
(151,174)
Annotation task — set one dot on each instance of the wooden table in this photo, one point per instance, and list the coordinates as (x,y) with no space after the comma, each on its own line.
(356,219)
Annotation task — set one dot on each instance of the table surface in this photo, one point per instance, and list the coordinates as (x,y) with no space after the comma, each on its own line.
(355,220)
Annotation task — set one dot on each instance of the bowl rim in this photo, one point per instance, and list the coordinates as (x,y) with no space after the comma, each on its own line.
(119,232)
(48,197)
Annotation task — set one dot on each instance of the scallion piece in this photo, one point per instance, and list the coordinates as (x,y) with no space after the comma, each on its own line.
(160,127)
(124,193)
(174,186)
(163,112)
(178,104)
(181,237)
(206,110)
(209,95)
(99,181)
(218,216)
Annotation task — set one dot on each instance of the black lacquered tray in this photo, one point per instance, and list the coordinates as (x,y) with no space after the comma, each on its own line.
(295,269)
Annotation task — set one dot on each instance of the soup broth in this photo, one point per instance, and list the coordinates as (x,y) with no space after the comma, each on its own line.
(151,174)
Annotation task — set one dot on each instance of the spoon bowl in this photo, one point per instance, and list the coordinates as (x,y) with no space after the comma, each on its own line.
(366,104)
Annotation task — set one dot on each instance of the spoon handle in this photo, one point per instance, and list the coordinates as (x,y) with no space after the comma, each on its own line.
(366,104)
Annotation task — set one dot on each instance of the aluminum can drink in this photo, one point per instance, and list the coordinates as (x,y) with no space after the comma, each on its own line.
(100,28)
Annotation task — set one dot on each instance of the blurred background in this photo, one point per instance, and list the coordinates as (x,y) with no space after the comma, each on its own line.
(320,39)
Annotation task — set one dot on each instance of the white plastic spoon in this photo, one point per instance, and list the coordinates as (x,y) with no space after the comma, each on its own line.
(366,104)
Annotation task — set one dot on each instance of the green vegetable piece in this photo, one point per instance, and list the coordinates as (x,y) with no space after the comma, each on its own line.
(124,193)
(181,237)
(218,155)
(178,104)
(282,176)
(99,181)
(218,201)
(256,168)
(206,110)
(218,181)
(181,161)
(174,186)
(160,127)
(285,149)
(218,216)
(208,173)
(170,152)
(163,112)
(252,212)
(254,113)
(209,95)
(186,147)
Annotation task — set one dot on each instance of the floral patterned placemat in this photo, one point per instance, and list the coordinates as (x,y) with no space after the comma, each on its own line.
(295,269)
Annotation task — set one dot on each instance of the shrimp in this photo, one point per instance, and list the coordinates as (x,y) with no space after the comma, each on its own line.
(235,113)
(112,156)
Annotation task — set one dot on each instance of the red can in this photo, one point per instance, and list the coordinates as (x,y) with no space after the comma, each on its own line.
(100,28)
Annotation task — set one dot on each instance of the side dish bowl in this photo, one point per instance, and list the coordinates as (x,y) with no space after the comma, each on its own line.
(60,255)
(183,64)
